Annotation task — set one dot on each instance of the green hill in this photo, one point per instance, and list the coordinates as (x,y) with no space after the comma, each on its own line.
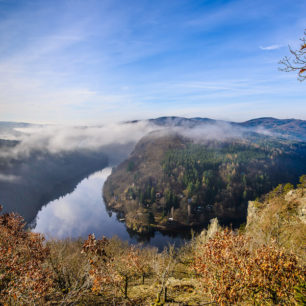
(170,181)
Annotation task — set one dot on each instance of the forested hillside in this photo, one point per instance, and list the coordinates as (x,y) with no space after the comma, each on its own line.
(171,181)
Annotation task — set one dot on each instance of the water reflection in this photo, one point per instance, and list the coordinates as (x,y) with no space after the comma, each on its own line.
(83,212)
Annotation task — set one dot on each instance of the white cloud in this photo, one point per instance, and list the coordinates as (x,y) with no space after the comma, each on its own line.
(86,63)
(9,178)
(56,139)
(271,47)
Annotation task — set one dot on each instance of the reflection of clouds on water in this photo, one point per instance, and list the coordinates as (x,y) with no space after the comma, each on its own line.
(83,212)
(80,213)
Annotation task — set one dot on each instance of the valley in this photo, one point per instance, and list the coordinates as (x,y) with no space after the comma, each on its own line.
(173,181)
(192,212)
(182,172)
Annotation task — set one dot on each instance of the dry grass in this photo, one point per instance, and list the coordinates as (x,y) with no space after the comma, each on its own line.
(276,227)
(281,219)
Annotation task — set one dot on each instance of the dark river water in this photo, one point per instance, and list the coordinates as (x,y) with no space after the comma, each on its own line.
(83,212)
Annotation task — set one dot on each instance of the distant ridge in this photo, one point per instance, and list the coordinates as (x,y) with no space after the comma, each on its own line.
(14,124)
(181,121)
(286,127)
(289,128)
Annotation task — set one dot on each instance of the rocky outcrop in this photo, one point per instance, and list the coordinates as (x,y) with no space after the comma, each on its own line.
(280,218)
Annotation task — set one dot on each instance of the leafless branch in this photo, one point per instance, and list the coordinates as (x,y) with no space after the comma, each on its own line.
(296,62)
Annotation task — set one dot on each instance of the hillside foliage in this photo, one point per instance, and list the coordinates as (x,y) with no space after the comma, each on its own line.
(24,276)
(220,265)
(174,182)
(232,272)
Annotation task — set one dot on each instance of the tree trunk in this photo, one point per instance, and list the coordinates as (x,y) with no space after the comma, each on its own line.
(158,296)
(165,295)
(126,286)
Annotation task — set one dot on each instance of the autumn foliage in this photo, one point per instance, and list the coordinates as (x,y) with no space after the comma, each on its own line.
(24,279)
(219,266)
(113,267)
(230,271)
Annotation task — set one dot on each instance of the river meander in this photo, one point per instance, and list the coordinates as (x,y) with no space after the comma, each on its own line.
(83,212)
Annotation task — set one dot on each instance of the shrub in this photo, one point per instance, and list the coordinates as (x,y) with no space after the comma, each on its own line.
(231,272)
(111,266)
(70,270)
(24,279)
(287,188)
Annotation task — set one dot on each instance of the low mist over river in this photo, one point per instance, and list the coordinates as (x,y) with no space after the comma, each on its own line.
(48,174)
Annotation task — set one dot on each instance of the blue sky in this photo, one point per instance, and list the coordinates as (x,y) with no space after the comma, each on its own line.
(90,62)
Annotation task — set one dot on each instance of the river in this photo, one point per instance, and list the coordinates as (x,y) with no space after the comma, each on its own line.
(83,212)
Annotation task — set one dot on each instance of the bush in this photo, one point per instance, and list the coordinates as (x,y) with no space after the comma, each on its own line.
(111,267)
(287,188)
(24,278)
(70,271)
(231,272)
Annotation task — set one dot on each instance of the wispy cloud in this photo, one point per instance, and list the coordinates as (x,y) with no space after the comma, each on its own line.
(8,178)
(271,47)
(66,61)
(55,139)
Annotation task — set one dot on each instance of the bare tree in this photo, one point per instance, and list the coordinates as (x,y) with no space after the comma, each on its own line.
(296,62)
